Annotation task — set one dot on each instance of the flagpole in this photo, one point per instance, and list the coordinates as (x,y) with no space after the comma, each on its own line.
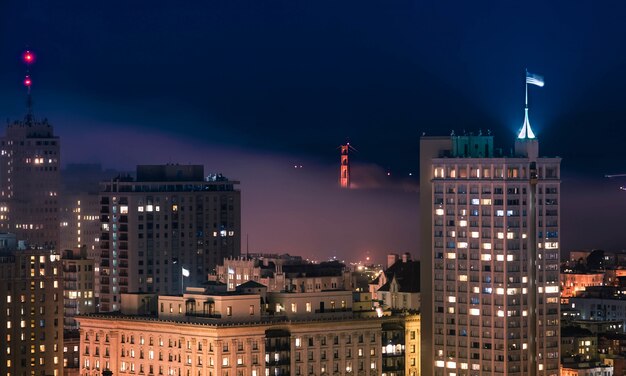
(526,81)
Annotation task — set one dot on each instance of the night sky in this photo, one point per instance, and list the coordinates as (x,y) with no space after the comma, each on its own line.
(252,88)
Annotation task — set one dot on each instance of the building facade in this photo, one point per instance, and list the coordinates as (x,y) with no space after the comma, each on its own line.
(30,160)
(574,283)
(165,230)
(78,287)
(286,273)
(218,335)
(480,212)
(79,216)
(32,304)
(398,287)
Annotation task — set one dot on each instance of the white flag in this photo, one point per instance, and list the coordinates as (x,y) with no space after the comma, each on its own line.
(185,272)
(534,79)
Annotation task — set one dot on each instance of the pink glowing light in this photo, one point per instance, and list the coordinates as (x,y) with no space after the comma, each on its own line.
(27,81)
(28,57)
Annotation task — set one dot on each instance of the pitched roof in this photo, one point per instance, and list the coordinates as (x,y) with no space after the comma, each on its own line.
(251,284)
(407,275)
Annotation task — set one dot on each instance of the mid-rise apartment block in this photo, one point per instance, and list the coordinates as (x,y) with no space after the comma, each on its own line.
(164,230)
(490,232)
(78,287)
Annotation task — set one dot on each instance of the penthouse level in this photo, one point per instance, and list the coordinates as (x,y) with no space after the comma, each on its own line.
(169,178)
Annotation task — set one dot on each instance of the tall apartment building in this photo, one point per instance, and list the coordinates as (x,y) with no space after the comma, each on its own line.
(29,182)
(32,307)
(490,236)
(165,230)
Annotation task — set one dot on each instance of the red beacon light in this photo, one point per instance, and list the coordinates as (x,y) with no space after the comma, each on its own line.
(28,57)
(27,81)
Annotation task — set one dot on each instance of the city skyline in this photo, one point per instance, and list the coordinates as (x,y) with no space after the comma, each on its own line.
(228,83)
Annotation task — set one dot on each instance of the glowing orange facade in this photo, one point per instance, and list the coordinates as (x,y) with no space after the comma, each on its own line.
(344,172)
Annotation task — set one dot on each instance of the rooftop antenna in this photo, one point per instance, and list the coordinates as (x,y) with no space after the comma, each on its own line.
(28,58)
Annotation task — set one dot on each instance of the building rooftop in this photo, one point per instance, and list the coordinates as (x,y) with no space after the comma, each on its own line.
(575,331)
(406,273)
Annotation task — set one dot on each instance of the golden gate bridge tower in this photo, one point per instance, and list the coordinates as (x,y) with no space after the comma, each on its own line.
(344,167)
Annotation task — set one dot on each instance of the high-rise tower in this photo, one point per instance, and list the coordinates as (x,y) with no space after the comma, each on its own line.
(490,236)
(29,178)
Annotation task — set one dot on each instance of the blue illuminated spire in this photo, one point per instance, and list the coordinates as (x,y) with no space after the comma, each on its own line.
(526,131)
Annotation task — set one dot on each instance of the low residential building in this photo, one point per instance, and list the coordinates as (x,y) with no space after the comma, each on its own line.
(202,334)
(586,369)
(578,343)
(398,287)
(600,304)
(573,283)
(284,273)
